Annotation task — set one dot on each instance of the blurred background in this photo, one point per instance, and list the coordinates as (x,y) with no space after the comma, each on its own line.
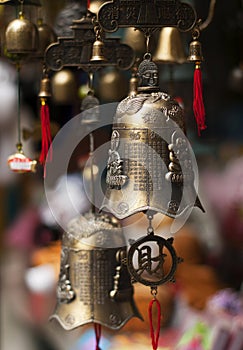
(205,303)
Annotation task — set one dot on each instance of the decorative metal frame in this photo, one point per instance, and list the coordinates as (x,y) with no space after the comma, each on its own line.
(146,16)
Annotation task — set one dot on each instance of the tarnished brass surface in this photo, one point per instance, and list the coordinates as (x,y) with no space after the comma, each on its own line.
(149,164)
(46,36)
(98,52)
(21,36)
(76,51)
(45,88)
(170,47)
(147,257)
(94,284)
(144,14)
(195,52)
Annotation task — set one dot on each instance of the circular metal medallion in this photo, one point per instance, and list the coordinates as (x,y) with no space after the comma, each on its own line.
(148,260)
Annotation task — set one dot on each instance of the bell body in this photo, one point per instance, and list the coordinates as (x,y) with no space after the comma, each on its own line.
(46,37)
(195,52)
(45,88)
(170,47)
(98,52)
(88,273)
(149,165)
(21,36)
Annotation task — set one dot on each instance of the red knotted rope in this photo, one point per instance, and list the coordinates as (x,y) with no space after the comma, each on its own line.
(198,105)
(154,336)
(97,328)
(46,141)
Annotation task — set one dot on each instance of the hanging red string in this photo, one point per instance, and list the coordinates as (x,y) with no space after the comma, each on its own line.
(46,141)
(198,105)
(97,328)
(88,4)
(154,335)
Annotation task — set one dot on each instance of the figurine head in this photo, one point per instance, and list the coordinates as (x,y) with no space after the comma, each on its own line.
(148,74)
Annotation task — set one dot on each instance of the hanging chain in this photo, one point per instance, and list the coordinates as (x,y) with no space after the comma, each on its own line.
(19,144)
(150,230)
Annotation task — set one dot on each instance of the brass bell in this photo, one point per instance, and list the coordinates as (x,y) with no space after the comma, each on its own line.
(94,285)
(64,87)
(195,52)
(112,85)
(21,36)
(45,88)
(149,167)
(98,52)
(46,36)
(135,38)
(170,47)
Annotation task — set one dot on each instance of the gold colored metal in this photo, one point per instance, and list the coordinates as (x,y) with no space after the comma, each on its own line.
(170,47)
(149,165)
(112,85)
(21,36)
(46,36)
(64,87)
(135,38)
(94,283)
(98,52)
(45,88)
(195,52)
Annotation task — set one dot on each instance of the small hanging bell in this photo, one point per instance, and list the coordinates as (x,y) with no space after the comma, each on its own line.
(45,88)
(195,56)
(98,52)
(21,36)
(94,284)
(170,47)
(195,52)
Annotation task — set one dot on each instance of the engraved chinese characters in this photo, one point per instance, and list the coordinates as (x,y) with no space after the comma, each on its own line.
(150,155)
(91,251)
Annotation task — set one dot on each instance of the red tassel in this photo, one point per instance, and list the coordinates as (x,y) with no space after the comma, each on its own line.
(88,4)
(97,328)
(46,143)
(154,337)
(198,105)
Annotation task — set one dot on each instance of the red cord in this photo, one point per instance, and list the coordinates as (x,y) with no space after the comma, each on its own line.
(198,105)
(88,4)
(154,337)
(97,328)
(46,141)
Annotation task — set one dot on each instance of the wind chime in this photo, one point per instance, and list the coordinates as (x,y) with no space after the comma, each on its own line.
(149,167)
(25,41)
(21,42)
(94,284)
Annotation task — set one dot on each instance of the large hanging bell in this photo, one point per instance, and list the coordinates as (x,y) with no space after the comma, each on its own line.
(150,167)
(170,47)
(21,36)
(94,284)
